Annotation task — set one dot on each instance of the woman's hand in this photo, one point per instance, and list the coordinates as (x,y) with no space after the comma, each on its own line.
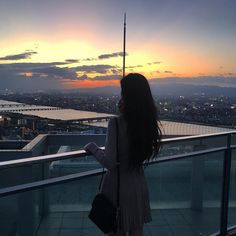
(91,148)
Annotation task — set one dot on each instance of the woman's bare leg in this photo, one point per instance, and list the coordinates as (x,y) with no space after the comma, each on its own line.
(136,232)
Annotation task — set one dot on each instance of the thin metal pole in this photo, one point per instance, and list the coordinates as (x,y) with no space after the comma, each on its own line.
(225,188)
(124,45)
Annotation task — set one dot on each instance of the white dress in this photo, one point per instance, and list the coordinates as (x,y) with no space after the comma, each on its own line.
(134,197)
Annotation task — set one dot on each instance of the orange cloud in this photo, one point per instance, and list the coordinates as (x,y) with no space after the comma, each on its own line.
(26,74)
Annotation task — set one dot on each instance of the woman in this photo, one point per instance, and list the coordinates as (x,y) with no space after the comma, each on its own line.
(138,141)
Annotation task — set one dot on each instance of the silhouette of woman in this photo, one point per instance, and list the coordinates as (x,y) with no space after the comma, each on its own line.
(139,138)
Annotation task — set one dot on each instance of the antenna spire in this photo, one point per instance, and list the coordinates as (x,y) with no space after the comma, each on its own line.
(124,45)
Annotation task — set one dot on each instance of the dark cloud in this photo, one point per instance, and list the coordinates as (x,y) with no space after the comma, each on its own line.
(101,69)
(104,56)
(49,75)
(51,70)
(168,71)
(89,59)
(116,71)
(25,55)
(33,76)
(72,60)
(114,54)
(83,77)
(55,72)
(132,67)
(14,79)
(30,65)
(154,63)
(37,70)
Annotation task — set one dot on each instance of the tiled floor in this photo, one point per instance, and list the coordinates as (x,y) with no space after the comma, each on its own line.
(165,223)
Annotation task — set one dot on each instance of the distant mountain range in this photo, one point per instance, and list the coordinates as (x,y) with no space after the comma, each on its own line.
(189,90)
(173,86)
(171,89)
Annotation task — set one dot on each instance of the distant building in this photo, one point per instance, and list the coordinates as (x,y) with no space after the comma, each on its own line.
(5,120)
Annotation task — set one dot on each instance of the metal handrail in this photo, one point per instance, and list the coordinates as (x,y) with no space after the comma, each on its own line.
(47,182)
(82,153)
(42,159)
(188,138)
(72,177)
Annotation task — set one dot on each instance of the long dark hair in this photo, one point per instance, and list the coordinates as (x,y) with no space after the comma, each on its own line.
(141,115)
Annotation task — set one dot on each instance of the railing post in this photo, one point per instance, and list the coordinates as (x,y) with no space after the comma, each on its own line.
(26,206)
(225,188)
(45,191)
(198,164)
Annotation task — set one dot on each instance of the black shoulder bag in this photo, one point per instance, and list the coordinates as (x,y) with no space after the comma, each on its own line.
(103,213)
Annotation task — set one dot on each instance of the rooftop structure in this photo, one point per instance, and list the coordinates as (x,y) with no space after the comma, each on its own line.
(48,112)
(174,129)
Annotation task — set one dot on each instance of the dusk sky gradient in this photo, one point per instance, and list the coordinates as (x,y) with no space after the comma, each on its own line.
(71,44)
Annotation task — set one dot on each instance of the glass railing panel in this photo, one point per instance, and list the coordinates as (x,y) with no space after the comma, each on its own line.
(53,149)
(186,194)
(70,142)
(187,146)
(70,166)
(232,193)
(60,209)
(21,175)
(20,214)
(36,172)
(233,139)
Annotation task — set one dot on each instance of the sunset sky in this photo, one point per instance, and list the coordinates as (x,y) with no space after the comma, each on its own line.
(70,44)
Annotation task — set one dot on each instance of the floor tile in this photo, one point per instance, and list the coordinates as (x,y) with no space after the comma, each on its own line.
(160,230)
(87,223)
(165,223)
(158,220)
(51,223)
(55,215)
(71,232)
(72,223)
(48,232)
(176,219)
(183,230)
(74,214)
(92,232)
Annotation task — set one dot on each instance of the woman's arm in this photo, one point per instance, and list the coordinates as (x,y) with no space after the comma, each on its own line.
(107,158)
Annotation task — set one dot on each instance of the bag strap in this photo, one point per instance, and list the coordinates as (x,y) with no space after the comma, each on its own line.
(100,183)
(118,165)
(118,168)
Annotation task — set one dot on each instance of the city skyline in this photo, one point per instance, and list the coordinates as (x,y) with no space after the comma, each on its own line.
(75,44)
